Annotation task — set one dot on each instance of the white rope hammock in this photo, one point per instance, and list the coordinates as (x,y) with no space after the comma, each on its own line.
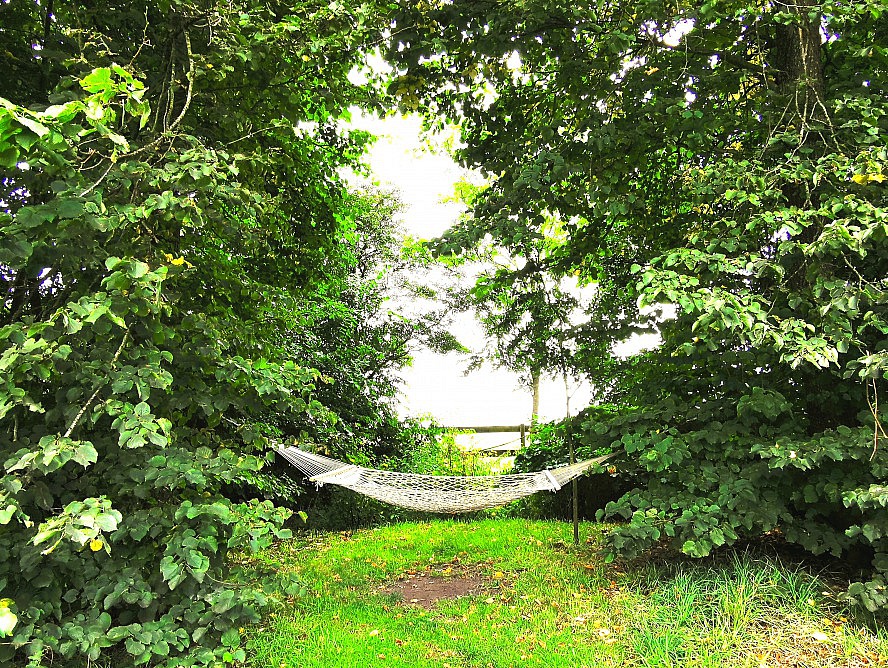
(433,493)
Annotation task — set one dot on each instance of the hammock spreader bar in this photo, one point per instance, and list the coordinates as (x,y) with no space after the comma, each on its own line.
(432,493)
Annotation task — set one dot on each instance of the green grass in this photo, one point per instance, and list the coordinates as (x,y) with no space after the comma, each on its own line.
(546,603)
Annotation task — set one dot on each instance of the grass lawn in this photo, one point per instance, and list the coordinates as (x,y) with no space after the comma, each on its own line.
(539,601)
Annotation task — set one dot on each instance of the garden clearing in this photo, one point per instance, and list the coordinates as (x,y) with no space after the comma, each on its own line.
(509,592)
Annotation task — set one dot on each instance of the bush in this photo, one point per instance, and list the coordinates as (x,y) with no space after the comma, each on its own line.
(737,466)
(152,272)
(548,448)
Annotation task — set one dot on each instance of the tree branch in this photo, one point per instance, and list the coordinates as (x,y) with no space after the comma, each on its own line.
(95,393)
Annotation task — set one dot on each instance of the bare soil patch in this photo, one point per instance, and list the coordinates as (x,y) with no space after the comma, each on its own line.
(425,589)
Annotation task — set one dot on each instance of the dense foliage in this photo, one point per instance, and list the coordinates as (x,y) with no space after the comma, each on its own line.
(183,272)
(729,159)
(549,445)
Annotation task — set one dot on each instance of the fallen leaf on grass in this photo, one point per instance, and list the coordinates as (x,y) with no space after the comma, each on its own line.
(820,635)
(374,632)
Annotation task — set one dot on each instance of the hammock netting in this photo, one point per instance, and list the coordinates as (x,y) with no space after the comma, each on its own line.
(433,493)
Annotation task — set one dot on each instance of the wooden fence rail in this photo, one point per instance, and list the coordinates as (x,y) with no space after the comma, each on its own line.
(485,429)
(491,430)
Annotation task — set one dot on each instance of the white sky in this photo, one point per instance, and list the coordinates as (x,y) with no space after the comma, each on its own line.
(436,385)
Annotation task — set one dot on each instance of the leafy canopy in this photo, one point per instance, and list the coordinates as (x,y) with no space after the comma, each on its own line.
(728,159)
(181,277)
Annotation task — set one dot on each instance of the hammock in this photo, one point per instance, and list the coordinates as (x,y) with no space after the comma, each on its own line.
(432,493)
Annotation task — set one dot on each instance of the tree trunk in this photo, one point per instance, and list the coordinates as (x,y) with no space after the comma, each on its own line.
(796,60)
(535,411)
(797,47)
(798,69)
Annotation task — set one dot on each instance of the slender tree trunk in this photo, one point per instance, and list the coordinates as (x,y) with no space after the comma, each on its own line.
(535,411)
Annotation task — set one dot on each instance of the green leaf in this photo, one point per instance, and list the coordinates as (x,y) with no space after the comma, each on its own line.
(170,569)
(7,513)
(231,638)
(9,157)
(134,647)
(137,269)
(106,522)
(70,208)
(37,128)
(15,249)
(160,648)
(8,619)
(85,454)
(97,80)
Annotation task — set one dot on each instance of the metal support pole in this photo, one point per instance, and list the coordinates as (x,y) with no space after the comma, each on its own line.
(573,460)
(573,490)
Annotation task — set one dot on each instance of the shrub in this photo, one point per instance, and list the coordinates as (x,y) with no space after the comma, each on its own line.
(548,448)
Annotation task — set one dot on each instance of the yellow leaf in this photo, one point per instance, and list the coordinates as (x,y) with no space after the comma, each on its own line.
(488,600)
(374,632)
(95,545)
(179,261)
(863,179)
(498,575)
